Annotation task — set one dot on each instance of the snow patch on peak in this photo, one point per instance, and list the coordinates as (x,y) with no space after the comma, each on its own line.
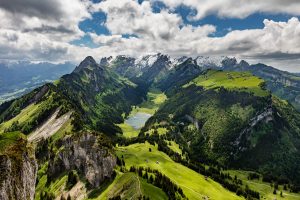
(177,61)
(209,61)
(146,61)
(110,59)
(106,61)
(152,59)
(213,61)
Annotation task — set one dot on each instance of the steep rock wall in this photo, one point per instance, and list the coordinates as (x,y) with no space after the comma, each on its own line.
(87,155)
(18,175)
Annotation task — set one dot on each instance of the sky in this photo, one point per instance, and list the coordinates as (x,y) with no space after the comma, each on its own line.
(69,30)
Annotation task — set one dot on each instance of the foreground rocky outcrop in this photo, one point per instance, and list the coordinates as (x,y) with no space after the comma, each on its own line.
(18,170)
(90,154)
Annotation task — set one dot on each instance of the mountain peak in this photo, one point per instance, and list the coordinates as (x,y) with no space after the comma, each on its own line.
(229,62)
(244,64)
(209,61)
(89,61)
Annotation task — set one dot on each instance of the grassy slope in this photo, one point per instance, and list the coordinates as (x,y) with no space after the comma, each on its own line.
(150,190)
(135,187)
(65,129)
(193,184)
(56,187)
(154,99)
(265,189)
(128,131)
(174,146)
(160,131)
(25,114)
(242,81)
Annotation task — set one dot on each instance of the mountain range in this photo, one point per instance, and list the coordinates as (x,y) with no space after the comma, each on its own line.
(154,127)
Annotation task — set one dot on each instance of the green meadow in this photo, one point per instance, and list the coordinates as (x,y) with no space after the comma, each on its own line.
(192,183)
(174,147)
(130,186)
(241,81)
(22,117)
(154,99)
(265,189)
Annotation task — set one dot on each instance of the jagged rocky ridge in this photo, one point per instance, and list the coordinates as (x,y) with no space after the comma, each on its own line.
(18,169)
(88,153)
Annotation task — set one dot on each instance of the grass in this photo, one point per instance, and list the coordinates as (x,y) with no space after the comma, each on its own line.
(55,187)
(41,186)
(174,146)
(193,184)
(160,131)
(9,139)
(129,185)
(104,194)
(241,81)
(265,189)
(59,185)
(155,98)
(128,131)
(150,190)
(22,117)
(65,129)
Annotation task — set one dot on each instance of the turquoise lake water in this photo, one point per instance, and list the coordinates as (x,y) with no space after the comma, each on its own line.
(138,120)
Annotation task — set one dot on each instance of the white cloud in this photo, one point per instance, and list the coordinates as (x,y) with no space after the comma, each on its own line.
(31,35)
(105,39)
(130,17)
(155,32)
(276,41)
(236,8)
(53,18)
(40,30)
(276,38)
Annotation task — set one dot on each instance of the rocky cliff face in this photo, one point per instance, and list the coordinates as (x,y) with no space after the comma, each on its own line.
(266,116)
(18,175)
(88,154)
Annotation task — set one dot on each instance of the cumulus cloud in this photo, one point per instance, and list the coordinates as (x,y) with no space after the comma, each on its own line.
(130,17)
(236,8)
(274,39)
(43,31)
(38,30)
(165,31)
(54,17)
(105,39)
(153,32)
